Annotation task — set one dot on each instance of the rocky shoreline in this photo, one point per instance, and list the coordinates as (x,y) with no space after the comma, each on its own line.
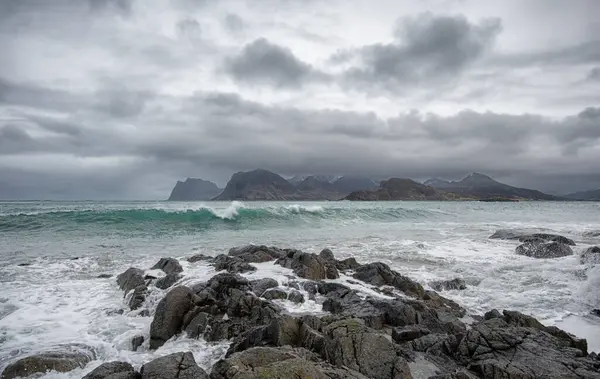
(401,330)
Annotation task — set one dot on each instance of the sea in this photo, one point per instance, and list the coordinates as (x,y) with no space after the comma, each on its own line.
(51,254)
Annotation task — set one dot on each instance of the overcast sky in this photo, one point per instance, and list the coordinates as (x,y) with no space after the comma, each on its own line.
(118,99)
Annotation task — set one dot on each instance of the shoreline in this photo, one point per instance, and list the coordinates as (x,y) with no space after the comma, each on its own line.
(420,326)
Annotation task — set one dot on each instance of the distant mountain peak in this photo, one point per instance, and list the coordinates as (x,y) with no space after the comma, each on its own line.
(194,189)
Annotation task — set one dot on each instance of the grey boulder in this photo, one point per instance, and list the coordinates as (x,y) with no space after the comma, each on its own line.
(544,250)
(446,285)
(259,286)
(169,316)
(63,358)
(168,265)
(173,366)
(380,274)
(167,281)
(308,266)
(130,279)
(591,255)
(112,370)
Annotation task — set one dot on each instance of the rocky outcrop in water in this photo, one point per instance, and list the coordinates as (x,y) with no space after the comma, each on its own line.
(591,255)
(407,332)
(544,249)
(523,236)
(63,358)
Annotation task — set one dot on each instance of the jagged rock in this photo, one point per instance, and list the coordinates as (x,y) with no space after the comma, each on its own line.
(168,265)
(523,236)
(305,265)
(169,317)
(130,279)
(327,255)
(446,285)
(494,313)
(261,285)
(197,325)
(138,297)
(232,264)
(278,363)
(296,297)
(167,281)
(349,343)
(173,366)
(63,358)
(256,254)
(496,348)
(347,264)
(409,333)
(544,250)
(199,258)
(591,255)
(136,342)
(380,274)
(275,293)
(329,261)
(112,370)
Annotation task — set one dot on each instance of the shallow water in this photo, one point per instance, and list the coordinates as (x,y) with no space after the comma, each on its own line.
(58,299)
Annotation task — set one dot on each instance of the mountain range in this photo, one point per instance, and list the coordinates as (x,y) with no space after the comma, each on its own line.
(262,184)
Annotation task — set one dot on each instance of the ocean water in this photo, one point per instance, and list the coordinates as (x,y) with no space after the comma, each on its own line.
(52,252)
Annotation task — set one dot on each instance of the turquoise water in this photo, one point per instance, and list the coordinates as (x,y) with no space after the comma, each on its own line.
(56,297)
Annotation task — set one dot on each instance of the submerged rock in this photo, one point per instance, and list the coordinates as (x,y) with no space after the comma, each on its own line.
(168,265)
(173,366)
(446,285)
(136,342)
(522,236)
(591,255)
(62,359)
(113,370)
(544,250)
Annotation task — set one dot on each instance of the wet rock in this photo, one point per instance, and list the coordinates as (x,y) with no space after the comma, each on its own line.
(275,294)
(591,255)
(523,236)
(405,334)
(232,264)
(592,233)
(544,250)
(167,281)
(168,265)
(446,285)
(329,261)
(256,254)
(327,255)
(173,366)
(259,286)
(347,264)
(62,359)
(138,297)
(25,264)
(305,265)
(278,363)
(296,297)
(349,343)
(494,313)
(136,342)
(596,312)
(104,276)
(380,274)
(197,325)
(130,279)
(112,370)
(199,258)
(496,348)
(170,313)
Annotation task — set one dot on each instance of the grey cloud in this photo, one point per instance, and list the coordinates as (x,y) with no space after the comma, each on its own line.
(266,63)
(189,28)
(584,53)
(234,23)
(594,74)
(426,47)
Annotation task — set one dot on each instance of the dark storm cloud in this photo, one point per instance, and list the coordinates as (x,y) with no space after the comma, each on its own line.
(264,62)
(426,48)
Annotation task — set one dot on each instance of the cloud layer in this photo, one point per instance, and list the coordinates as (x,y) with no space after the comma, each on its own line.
(121,98)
